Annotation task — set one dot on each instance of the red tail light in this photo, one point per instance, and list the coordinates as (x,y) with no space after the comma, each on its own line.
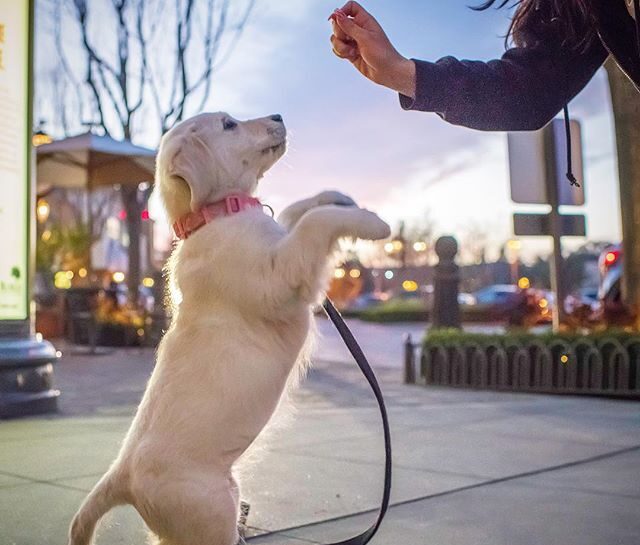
(609,259)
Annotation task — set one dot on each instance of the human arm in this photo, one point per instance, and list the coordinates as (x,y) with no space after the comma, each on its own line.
(521,91)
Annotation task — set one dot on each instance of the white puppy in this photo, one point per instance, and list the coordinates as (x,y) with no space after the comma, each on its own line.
(246,285)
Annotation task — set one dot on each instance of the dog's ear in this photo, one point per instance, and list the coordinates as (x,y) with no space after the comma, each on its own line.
(192,163)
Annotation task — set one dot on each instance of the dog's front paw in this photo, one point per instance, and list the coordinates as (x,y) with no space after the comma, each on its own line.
(369,226)
(334,197)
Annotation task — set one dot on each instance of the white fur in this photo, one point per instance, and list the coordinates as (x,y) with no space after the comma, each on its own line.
(247,285)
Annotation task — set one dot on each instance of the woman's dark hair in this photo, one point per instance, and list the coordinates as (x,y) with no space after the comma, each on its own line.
(572,19)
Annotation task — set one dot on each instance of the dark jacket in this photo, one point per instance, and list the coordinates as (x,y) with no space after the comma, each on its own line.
(529,85)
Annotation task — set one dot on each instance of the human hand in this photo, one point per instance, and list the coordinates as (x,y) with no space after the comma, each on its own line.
(360,39)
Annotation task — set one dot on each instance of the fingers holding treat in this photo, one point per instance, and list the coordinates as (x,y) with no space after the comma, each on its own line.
(344,49)
(337,31)
(359,15)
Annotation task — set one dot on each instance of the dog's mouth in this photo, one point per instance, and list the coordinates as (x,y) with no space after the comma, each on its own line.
(275,149)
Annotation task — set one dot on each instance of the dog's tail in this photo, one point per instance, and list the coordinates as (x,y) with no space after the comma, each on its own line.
(104,496)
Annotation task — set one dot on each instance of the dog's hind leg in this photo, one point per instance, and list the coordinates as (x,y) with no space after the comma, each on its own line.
(197,513)
(105,495)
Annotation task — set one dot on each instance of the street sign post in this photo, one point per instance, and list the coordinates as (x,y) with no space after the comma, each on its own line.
(538,171)
(25,359)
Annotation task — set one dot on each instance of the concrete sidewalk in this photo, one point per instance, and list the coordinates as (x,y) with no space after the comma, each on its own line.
(470,467)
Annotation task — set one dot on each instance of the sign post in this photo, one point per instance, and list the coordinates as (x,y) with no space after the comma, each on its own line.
(555,223)
(538,166)
(25,359)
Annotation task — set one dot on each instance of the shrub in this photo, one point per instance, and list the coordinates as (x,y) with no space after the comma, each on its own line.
(396,311)
(456,337)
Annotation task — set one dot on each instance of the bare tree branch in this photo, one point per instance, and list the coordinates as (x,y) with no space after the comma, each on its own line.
(180,80)
(140,14)
(125,71)
(238,30)
(212,66)
(82,14)
(201,29)
(146,67)
(64,63)
(110,93)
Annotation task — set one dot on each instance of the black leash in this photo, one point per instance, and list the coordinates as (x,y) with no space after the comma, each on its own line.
(567,129)
(361,360)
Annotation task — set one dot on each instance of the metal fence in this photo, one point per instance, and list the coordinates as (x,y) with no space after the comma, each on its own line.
(607,366)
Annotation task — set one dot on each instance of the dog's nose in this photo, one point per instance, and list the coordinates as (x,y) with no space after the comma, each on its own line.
(277,118)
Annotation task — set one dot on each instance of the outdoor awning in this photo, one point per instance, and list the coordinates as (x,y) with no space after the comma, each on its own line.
(91,161)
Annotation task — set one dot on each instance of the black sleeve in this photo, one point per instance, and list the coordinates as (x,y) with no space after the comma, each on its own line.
(523,90)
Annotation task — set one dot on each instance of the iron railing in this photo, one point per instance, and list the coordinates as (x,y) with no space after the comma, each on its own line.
(607,366)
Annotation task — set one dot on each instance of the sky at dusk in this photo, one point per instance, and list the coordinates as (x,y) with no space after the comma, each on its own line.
(348,134)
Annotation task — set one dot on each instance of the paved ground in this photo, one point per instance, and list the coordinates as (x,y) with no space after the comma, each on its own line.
(471,468)
(383,343)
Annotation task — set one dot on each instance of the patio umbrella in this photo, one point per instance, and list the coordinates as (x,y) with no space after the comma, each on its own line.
(89,161)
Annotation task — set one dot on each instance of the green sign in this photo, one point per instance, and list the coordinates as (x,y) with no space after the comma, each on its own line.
(15,157)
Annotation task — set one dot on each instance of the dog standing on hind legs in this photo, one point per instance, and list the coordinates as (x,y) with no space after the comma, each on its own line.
(246,285)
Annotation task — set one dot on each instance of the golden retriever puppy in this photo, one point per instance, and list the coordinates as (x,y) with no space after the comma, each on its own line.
(246,285)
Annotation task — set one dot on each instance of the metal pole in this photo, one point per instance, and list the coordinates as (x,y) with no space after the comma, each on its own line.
(555,224)
(89,211)
(409,361)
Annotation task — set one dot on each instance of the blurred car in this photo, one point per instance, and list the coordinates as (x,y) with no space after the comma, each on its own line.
(425,294)
(581,299)
(466,299)
(495,302)
(589,296)
(499,297)
(610,263)
(519,307)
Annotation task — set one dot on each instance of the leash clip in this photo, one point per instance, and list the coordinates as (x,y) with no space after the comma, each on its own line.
(273,214)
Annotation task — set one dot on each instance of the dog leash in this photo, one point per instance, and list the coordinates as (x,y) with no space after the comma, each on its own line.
(367,371)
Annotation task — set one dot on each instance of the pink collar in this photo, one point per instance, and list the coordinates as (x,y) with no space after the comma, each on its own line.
(188,224)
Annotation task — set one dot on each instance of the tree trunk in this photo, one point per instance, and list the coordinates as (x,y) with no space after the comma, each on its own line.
(626,111)
(133,208)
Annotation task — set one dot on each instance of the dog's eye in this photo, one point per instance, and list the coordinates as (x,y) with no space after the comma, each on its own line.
(229,124)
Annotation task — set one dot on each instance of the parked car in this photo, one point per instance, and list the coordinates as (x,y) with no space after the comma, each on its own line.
(507,302)
(498,297)
(610,263)
(583,298)
(466,299)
